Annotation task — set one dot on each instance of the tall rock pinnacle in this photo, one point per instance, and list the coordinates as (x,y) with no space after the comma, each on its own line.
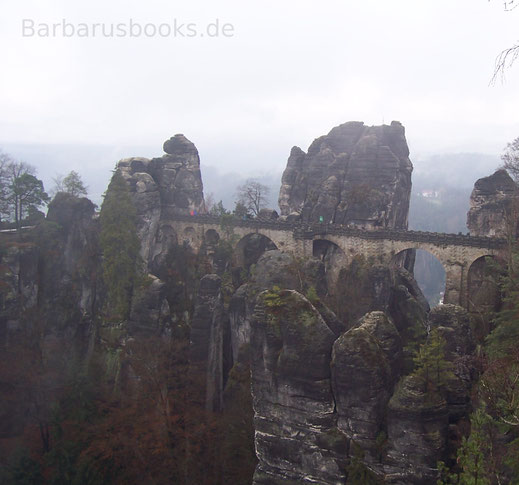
(356,174)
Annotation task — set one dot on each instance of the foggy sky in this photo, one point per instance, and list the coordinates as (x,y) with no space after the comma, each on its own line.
(291,71)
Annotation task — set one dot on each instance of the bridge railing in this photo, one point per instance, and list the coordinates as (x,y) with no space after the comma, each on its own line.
(304,230)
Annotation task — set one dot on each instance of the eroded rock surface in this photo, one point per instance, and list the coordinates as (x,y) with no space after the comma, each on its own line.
(356,174)
(48,284)
(295,423)
(491,204)
(171,184)
(365,366)
(207,334)
(417,423)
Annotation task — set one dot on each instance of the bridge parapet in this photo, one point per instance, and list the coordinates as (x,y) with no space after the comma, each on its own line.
(307,231)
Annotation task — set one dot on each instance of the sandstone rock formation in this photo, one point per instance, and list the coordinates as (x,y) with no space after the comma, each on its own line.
(491,204)
(417,424)
(365,367)
(355,174)
(50,274)
(296,435)
(420,422)
(316,389)
(207,334)
(453,324)
(171,184)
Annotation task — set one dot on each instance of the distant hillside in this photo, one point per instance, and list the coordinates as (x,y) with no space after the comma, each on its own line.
(441,190)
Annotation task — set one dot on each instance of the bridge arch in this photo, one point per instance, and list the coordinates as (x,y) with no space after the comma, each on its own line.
(407,247)
(249,249)
(428,269)
(332,256)
(212,237)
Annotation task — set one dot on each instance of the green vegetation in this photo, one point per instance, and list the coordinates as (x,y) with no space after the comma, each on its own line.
(272,298)
(358,472)
(120,249)
(475,457)
(490,453)
(312,295)
(430,363)
(71,184)
(218,210)
(21,193)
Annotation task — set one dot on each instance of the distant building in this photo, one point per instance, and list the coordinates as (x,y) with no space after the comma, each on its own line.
(430,194)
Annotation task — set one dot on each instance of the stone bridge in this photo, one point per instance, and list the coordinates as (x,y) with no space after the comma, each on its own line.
(457,253)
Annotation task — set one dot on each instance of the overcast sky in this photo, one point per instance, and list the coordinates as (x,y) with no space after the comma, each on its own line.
(284,73)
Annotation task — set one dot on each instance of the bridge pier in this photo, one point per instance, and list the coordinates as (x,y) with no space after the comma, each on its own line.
(456,284)
(304,248)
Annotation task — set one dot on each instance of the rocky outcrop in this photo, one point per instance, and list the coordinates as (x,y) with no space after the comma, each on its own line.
(277,269)
(424,423)
(75,218)
(150,309)
(491,203)
(453,323)
(47,301)
(171,184)
(207,335)
(295,430)
(365,366)
(354,175)
(240,314)
(417,424)
(321,392)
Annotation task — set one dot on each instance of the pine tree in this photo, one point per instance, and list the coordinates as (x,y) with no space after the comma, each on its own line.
(474,453)
(120,248)
(430,362)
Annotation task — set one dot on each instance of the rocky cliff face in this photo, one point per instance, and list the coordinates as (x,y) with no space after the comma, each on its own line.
(54,266)
(207,346)
(47,301)
(491,204)
(420,421)
(295,422)
(321,400)
(322,394)
(355,174)
(171,184)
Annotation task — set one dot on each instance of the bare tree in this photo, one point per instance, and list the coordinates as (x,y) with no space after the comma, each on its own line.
(505,60)
(508,56)
(209,202)
(253,195)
